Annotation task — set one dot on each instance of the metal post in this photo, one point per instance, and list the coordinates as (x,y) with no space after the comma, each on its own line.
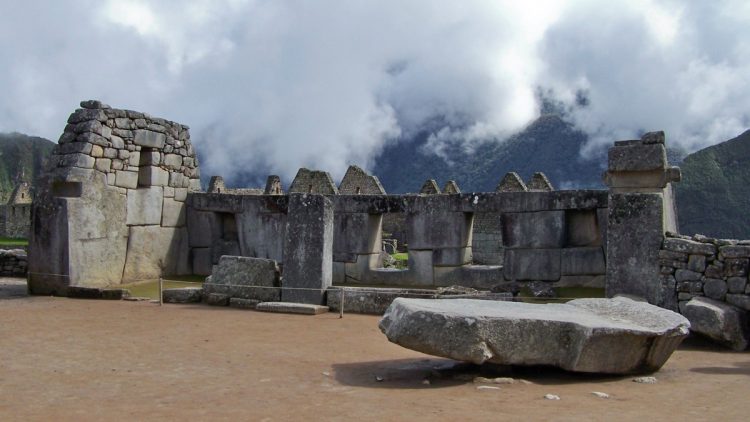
(161,297)
(341,304)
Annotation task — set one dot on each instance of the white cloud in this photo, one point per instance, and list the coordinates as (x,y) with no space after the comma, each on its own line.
(275,85)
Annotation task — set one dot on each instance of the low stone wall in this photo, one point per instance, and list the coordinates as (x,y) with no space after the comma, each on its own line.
(702,266)
(13,262)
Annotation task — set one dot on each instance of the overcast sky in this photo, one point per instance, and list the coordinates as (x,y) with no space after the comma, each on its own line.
(280,84)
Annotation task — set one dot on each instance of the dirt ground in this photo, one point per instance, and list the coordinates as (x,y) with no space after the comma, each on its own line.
(75,359)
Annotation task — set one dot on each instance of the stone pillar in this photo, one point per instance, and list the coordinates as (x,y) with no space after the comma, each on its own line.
(641,210)
(308,249)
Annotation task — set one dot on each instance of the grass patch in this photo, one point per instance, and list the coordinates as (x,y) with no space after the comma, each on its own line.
(9,241)
(401,256)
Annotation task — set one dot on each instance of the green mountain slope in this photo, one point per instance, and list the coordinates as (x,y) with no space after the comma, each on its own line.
(21,157)
(714,196)
(549,145)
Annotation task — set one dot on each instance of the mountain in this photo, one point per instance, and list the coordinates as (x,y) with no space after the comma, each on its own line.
(21,159)
(549,144)
(714,196)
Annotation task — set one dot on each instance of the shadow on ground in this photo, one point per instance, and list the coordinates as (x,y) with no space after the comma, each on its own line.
(419,373)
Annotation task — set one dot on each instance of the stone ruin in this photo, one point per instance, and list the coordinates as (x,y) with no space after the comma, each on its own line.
(112,206)
(122,203)
(15,215)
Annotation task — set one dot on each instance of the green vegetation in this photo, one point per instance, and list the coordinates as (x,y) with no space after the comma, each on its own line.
(9,241)
(402,260)
(714,196)
(21,155)
(549,145)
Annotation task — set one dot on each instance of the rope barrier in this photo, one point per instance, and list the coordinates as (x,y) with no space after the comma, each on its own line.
(343,289)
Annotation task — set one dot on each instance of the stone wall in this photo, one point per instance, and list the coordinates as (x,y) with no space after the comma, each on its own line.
(555,237)
(487,241)
(702,266)
(13,262)
(357,182)
(15,220)
(313,181)
(15,216)
(111,208)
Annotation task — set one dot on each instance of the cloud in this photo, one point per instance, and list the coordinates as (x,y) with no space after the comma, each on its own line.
(269,86)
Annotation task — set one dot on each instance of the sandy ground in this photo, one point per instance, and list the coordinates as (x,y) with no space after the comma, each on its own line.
(75,359)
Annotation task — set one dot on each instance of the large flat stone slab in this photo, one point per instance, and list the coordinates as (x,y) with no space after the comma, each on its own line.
(292,308)
(615,336)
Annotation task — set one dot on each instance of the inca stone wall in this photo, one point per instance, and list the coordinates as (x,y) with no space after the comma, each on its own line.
(15,216)
(121,202)
(313,181)
(357,182)
(112,208)
(701,266)
(13,262)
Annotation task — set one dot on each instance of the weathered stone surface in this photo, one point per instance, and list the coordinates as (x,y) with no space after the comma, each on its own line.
(246,278)
(637,157)
(313,181)
(355,182)
(511,182)
(715,288)
(696,263)
(153,176)
(736,284)
(544,229)
(308,249)
(736,267)
(739,300)
(617,336)
(148,138)
(216,299)
(144,206)
(724,323)
(582,228)
(687,275)
(202,261)
(735,251)
(429,187)
(204,227)
(173,213)
(292,308)
(182,295)
(532,264)
(582,261)
(451,188)
(689,246)
(634,237)
(370,300)
(539,182)
(240,303)
(155,251)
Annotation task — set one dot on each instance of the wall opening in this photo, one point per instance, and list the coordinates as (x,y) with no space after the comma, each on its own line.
(67,189)
(228,227)
(148,159)
(394,235)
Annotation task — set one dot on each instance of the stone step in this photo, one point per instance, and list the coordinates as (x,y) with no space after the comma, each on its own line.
(291,308)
